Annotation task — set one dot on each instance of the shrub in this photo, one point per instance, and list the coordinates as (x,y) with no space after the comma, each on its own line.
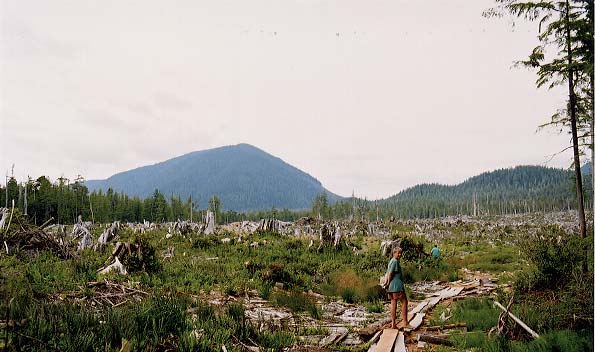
(144,258)
(553,259)
(205,241)
(349,295)
(413,250)
(264,289)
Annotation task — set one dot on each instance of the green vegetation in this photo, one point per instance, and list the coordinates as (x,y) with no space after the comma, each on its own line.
(552,293)
(552,290)
(52,294)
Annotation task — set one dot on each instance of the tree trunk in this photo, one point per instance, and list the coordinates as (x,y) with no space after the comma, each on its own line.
(591,17)
(572,98)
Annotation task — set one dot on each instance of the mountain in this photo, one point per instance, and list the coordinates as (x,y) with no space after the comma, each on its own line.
(242,176)
(518,189)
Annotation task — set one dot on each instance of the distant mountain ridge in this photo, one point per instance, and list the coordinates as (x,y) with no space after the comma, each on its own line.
(246,178)
(242,176)
(517,189)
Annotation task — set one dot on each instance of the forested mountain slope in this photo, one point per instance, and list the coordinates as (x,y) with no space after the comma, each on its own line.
(242,176)
(518,189)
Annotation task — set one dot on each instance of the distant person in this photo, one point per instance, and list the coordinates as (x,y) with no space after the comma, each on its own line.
(435,252)
(395,288)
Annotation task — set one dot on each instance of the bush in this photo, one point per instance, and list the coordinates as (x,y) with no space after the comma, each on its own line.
(413,250)
(556,292)
(554,259)
(144,258)
(205,241)
(349,295)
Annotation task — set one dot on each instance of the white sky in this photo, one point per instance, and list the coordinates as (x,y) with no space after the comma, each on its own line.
(371,96)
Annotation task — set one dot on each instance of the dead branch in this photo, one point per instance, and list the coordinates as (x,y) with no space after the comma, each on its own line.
(517,320)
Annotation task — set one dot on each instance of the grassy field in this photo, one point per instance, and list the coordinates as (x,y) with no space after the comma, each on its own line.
(46,303)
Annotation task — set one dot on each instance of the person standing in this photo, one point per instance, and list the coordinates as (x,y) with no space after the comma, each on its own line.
(395,288)
(435,252)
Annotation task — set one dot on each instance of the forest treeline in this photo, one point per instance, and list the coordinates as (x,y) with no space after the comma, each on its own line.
(64,200)
(507,191)
(523,189)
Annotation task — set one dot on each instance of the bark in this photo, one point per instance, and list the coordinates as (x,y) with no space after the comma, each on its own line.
(437,340)
(577,163)
(210,220)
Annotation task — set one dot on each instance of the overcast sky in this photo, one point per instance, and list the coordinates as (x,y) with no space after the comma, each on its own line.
(367,96)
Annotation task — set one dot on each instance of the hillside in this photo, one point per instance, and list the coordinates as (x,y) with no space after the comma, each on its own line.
(242,176)
(518,189)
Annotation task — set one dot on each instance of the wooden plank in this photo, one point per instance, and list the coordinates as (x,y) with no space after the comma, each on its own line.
(387,340)
(458,290)
(440,293)
(400,343)
(416,322)
(451,292)
(447,293)
(419,307)
(431,303)
(375,337)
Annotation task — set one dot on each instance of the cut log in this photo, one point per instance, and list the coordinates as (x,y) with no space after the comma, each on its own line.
(517,320)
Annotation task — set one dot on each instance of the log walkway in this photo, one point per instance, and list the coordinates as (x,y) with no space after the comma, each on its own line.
(393,340)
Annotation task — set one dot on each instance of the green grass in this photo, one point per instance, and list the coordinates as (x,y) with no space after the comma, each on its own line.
(297,302)
(204,264)
(375,306)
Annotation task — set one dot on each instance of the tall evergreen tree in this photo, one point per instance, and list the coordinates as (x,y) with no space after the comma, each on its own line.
(566,27)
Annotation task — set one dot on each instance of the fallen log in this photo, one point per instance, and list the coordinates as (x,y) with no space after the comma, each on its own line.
(446,327)
(517,320)
(436,340)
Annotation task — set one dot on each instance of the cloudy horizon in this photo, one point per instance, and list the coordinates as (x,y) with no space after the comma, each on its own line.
(367,97)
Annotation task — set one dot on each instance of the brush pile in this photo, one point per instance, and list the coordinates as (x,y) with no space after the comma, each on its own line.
(18,234)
